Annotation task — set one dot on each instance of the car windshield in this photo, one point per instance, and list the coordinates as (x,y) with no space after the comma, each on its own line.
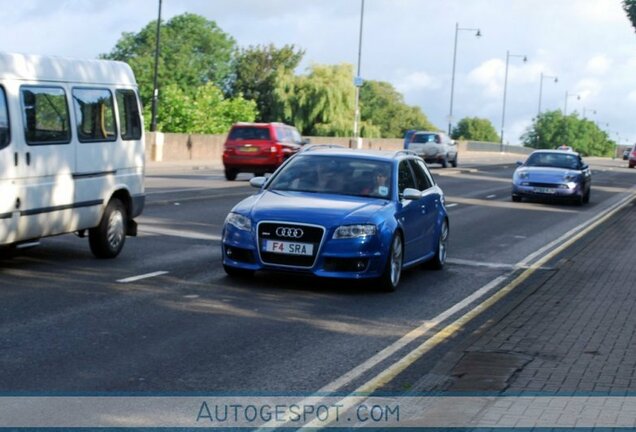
(424,138)
(248,132)
(335,175)
(554,160)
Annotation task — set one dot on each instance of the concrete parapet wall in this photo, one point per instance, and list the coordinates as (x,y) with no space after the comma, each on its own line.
(172,147)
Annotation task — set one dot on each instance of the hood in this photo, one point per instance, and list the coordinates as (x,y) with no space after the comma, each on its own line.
(546,174)
(306,207)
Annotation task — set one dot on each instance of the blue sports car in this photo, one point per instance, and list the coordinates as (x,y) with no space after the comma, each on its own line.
(340,213)
(552,174)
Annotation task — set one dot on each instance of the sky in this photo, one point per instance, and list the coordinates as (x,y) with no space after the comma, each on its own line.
(588,44)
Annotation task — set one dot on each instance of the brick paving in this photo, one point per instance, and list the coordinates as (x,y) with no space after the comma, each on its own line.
(575,333)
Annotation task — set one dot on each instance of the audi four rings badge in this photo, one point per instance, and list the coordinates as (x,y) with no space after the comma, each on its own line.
(289,232)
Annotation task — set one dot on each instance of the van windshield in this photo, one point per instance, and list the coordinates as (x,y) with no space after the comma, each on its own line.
(249,133)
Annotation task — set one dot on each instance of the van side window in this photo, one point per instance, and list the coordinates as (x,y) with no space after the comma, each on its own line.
(95,114)
(129,118)
(46,119)
(5,132)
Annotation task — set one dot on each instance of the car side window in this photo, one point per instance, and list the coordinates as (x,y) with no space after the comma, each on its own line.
(5,135)
(423,180)
(405,177)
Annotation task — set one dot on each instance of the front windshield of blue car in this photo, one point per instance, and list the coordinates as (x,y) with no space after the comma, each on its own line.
(553,160)
(337,175)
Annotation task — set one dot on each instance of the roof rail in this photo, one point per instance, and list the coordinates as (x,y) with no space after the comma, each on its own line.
(311,147)
(405,152)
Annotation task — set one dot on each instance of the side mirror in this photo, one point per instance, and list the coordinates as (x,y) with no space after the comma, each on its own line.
(411,194)
(258,182)
(584,167)
(518,163)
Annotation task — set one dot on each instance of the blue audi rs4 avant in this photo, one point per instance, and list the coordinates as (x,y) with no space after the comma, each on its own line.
(340,213)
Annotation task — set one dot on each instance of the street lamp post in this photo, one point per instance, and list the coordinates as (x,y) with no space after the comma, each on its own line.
(357,83)
(503,113)
(155,88)
(556,79)
(593,111)
(457,30)
(565,106)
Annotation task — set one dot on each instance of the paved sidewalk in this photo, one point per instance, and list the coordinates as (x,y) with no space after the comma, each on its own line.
(574,332)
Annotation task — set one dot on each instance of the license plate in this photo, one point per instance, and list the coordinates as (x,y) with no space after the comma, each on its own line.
(289,248)
(249,149)
(545,190)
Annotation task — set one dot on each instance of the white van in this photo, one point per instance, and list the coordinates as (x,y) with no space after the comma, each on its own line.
(71,151)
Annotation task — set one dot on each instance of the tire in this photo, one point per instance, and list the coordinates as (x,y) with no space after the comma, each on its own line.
(237,272)
(107,239)
(438,261)
(586,197)
(393,270)
(516,198)
(454,163)
(444,162)
(230,174)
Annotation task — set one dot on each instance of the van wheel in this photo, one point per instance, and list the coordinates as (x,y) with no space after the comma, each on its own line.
(107,239)
(444,162)
(454,163)
(230,174)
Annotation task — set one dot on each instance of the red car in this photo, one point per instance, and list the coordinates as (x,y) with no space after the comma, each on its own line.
(632,157)
(259,147)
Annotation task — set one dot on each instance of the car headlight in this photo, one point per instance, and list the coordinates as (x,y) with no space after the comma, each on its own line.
(239,221)
(354,231)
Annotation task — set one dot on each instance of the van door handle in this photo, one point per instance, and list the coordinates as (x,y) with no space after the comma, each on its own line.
(15,159)
(28,158)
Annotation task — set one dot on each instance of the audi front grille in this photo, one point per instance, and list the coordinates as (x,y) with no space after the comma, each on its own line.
(289,232)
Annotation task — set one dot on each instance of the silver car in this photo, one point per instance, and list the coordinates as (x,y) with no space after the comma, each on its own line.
(434,147)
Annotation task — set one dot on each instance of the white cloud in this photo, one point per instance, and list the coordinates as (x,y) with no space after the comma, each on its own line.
(416,81)
(598,65)
(632,96)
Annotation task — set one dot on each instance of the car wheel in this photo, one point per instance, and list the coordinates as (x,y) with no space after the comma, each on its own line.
(230,174)
(516,198)
(438,261)
(586,197)
(444,162)
(107,239)
(237,272)
(454,163)
(393,269)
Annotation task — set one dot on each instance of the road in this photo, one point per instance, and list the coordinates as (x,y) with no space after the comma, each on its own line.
(164,317)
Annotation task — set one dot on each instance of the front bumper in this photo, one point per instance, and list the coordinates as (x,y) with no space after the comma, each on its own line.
(552,191)
(360,258)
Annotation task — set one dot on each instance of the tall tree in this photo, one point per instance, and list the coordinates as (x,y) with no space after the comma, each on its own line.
(630,9)
(552,129)
(321,102)
(206,111)
(194,51)
(475,129)
(383,106)
(257,70)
